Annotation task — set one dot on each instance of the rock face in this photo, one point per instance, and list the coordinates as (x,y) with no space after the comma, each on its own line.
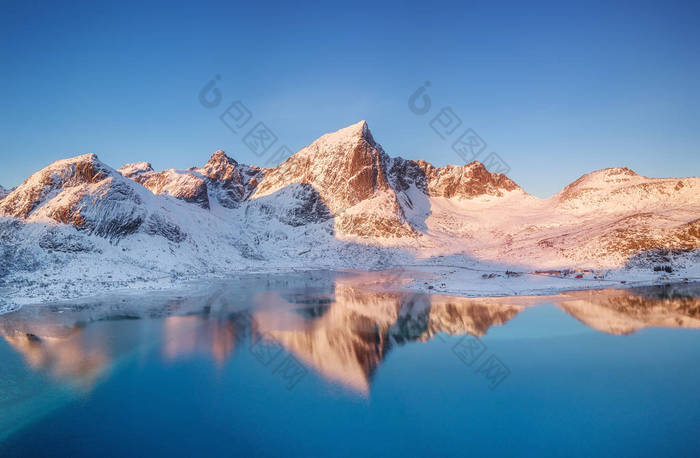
(349,171)
(344,175)
(228,181)
(295,205)
(466,181)
(84,193)
(344,193)
(77,172)
(367,191)
(187,186)
(222,178)
(346,167)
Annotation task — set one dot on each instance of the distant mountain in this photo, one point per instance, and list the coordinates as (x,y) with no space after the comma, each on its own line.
(618,189)
(339,202)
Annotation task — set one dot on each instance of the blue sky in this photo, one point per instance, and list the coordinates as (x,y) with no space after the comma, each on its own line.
(556,89)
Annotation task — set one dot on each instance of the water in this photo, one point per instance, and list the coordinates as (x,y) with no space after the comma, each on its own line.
(323,363)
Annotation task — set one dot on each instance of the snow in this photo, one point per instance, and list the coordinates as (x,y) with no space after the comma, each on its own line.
(79,227)
(135,168)
(343,138)
(459,277)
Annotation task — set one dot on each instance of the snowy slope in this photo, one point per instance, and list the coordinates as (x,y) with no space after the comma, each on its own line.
(84,193)
(222,178)
(78,225)
(349,171)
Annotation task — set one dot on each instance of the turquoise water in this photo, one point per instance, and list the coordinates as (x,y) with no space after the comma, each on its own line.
(323,364)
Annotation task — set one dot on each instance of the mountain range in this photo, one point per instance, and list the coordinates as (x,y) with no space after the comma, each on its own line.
(341,202)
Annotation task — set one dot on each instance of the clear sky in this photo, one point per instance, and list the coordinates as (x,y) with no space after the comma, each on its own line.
(557,89)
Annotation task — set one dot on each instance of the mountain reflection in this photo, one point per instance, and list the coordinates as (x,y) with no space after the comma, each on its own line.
(626,311)
(185,336)
(340,325)
(69,354)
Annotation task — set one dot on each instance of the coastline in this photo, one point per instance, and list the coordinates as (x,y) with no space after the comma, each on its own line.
(456,281)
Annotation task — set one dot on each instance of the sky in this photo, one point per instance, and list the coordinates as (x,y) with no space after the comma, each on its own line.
(554,89)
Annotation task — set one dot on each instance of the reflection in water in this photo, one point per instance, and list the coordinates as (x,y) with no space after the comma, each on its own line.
(187,335)
(626,311)
(340,325)
(75,356)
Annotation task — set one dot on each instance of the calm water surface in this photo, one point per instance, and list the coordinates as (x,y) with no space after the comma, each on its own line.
(330,364)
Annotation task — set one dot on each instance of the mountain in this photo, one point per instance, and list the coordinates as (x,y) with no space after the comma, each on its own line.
(229,181)
(184,185)
(92,197)
(341,201)
(222,179)
(615,189)
(4,192)
(371,194)
(349,171)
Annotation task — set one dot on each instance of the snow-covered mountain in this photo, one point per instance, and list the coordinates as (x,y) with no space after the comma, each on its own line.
(349,170)
(339,202)
(92,197)
(222,179)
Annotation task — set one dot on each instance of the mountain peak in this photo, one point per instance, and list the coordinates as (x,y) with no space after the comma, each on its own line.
(76,172)
(220,166)
(79,159)
(602,178)
(135,168)
(615,171)
(87,167)
(220,156)
(358,129)
(464,181)
(346,167)
(347,136)
(84,157)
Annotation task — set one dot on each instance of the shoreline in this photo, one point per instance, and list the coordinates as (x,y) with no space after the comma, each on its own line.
(455,281)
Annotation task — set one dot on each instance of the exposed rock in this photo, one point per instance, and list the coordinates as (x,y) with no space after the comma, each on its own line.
(296,205)
(82,192)
(229,182)
(183,185)
(465,181)
(136,168)
(222,179)
(55,239)
(158,225)
(75,172)
(347,168)
(343,187)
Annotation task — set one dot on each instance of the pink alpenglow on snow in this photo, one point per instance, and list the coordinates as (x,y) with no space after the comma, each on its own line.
(80,226)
